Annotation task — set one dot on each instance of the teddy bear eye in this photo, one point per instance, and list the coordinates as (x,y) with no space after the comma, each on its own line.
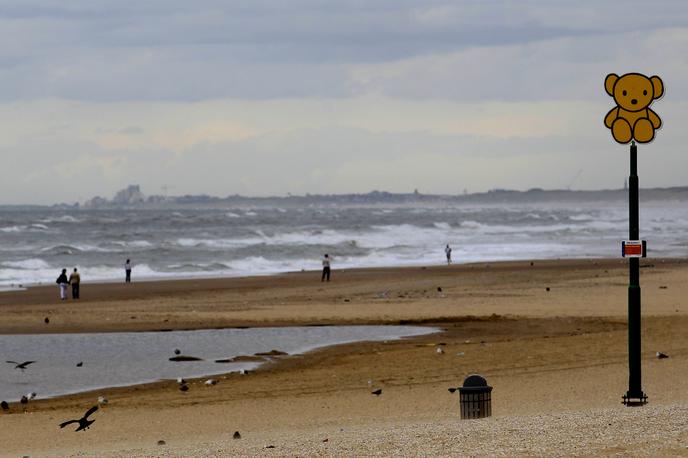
(645,92)
(624,93)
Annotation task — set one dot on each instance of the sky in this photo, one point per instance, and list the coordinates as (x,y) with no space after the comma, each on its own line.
(266,98)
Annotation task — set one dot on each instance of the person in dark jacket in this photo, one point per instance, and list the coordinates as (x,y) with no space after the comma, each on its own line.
(127,271)
(62,281)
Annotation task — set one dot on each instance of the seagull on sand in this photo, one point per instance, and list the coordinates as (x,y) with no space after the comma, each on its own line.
(661,355)
(21,366)
(84,422)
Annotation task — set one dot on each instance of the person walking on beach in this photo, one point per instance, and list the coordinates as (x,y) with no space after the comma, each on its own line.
(74,280)
(63,282)
(127,271)
(447,251)
(326,268)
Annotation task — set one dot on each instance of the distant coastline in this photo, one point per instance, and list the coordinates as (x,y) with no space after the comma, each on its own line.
(132,197)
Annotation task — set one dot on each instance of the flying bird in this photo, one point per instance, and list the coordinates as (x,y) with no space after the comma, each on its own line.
(377,392)
(661,355)
(21,366)
(84,422)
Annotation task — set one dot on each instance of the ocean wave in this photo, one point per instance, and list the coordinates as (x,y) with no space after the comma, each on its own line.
(27,264)
(13,228)
(63,249)
(60,219)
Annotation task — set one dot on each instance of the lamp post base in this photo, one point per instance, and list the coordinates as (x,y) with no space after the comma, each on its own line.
(634,399)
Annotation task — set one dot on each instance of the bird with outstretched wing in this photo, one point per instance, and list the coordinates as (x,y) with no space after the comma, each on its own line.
(84,422)
(21,366)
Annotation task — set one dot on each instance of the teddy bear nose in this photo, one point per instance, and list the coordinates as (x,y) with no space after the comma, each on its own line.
(634,101)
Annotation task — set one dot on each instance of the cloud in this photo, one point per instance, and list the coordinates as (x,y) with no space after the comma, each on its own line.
(174,50)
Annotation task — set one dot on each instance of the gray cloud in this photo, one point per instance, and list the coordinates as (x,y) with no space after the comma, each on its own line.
(176,50)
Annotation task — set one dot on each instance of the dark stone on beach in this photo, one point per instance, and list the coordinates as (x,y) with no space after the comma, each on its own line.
(161,442)
(79,364)
(451,390)
(531,263)
(663,287)
(377,392)
(547,289)
(46,320)
(269,446)
(347,300)
(24,400)
(184,388)
(439,289)
(272,353)
(236,435)
(185,358)
(177,351)
(4,405)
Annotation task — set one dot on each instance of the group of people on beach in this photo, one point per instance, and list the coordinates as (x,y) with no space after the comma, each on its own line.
(74,279)
(63,282)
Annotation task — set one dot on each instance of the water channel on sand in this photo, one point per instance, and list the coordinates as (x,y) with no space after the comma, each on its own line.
(129,358)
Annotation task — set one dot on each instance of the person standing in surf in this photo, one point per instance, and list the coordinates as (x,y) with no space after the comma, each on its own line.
(127,271)
(62,281)
(74,280)
(326,268)
(448,251)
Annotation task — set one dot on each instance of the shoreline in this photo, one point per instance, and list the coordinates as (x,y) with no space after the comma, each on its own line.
(550,338)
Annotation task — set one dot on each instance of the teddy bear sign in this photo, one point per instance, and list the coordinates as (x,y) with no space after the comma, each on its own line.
(632,118)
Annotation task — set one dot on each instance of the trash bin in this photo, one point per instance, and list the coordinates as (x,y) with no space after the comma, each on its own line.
(475,397)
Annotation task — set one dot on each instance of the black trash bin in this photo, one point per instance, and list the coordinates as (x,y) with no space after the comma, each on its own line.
(475,397)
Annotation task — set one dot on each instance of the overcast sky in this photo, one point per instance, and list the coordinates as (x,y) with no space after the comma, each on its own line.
(273,97)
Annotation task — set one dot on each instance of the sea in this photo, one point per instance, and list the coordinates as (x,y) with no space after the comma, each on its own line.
(35,244)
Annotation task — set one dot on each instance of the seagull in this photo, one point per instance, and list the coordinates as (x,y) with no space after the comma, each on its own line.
(210,382)
(84,422)
(21,366)
(31,396)
(661,355)
(377,392)
(181,381)
(439,351)
(102,400)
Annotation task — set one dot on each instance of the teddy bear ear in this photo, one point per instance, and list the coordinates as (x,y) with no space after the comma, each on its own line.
(609,82)
(657,86)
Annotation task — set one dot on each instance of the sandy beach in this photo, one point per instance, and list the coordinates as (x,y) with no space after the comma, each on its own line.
(549,336)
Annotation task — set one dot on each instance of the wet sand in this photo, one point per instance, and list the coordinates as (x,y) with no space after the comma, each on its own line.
(557,361)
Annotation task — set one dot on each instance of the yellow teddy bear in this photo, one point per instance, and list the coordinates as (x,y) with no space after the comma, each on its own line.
(631,118)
